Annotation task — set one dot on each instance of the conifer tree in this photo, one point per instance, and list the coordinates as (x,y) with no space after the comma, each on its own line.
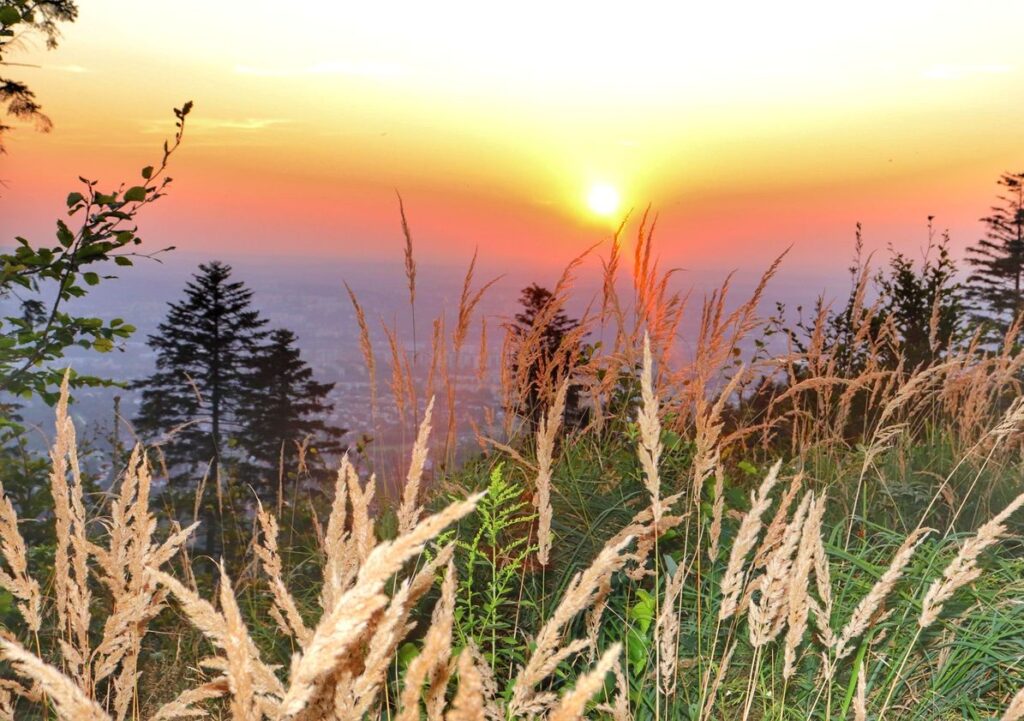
(194,403)
(550,363)
(996,285)
(285,412)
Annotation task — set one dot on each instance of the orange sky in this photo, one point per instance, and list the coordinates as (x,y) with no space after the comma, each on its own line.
(748,127)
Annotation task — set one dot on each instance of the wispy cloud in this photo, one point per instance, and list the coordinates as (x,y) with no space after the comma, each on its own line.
(201,124)
(242,124)
(263,72)
(357,68)
(954,71)
(68,68)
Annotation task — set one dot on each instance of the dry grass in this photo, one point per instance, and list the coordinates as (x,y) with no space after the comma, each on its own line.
(964,568)
(409,511)
(547,435)
(366,346)
(1015,711)
(18,582)
(746,537)
(771,601)
(340,665)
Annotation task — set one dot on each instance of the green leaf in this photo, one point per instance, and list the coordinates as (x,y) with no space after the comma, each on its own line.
(103,345)
(671,439)
(10,15)
(121,260)
(637,650)
(643,610)
(406,653)
(64,235)
(91,278)
(135,194)
(147,172)
(75,199)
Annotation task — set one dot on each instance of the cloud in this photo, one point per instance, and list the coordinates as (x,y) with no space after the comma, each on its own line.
(230,124)
(263,72)
(356,68)
(68,68)
(953,71)
(201,124)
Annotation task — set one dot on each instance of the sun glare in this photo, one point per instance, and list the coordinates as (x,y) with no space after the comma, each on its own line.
(603,199)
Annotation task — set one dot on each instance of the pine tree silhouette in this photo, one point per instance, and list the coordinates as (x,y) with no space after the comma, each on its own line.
(549,367)
(194,403)
(996,286)
(285,410)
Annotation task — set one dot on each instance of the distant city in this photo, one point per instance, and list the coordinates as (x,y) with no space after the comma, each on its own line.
(309,298)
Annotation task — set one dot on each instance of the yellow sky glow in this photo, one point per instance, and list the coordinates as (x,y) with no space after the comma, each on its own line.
(724,116)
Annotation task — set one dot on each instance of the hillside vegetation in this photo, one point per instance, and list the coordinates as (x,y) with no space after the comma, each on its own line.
(824,533)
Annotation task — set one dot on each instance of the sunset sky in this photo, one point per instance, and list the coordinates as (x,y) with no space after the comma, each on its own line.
(747,127)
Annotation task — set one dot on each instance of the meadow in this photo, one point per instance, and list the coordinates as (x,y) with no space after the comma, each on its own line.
(826,532)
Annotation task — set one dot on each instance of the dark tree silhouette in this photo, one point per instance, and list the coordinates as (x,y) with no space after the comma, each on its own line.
(996,285)
(16,17)
(920,313)
(196,398)
(550,363)
(285,410)
(910,296)
(916,298)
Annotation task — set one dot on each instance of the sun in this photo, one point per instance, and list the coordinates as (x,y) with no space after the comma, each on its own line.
(603,199)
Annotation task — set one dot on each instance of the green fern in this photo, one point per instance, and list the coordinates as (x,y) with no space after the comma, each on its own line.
(491,567)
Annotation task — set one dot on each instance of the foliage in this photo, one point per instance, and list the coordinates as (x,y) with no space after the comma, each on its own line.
(283,414)
(682,658)
(489,605)
(229,399)
(926,304)
(43,282)
(996,283)
(904,317)
(17,17)
(24,472)
(546,329)
(917,313)
(193,404)
(44,279)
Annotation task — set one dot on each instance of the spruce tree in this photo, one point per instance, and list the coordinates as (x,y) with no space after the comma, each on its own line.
(194,403)
(551,363)
(996,285)
(286,411)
